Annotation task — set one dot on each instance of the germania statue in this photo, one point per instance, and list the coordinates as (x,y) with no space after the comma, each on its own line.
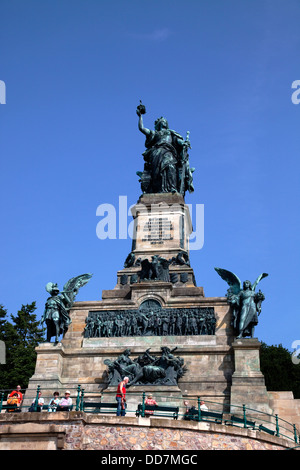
(166,168)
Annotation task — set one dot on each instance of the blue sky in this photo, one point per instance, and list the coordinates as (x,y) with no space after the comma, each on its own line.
(75,72)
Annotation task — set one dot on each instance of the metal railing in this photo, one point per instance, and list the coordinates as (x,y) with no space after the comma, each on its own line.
(223,413)
(33,401)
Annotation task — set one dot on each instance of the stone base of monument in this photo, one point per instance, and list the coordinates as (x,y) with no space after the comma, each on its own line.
(208,360)
(248,383)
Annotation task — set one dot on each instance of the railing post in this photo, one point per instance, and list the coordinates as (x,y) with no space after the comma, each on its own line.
(143,404)
(277,425)
(81,399)
(295,433)
(36,401)
(78,398)
(199,409)
(244,416)
(1,400)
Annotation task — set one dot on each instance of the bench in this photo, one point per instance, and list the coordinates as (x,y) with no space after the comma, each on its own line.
(240,421)
(46,408)
(157,410)
(99,407)
(10,408)
(59,408)
(210,416)
(264,429)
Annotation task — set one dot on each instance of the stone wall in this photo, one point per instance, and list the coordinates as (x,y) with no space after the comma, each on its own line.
(81,431)
(286,406)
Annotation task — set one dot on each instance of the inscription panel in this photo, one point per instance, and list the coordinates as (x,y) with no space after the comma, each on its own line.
(157,230)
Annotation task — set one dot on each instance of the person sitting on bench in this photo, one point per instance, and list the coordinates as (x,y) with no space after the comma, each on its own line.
(19,395)
(150,401)
(65,403)
(203,406)
(54,402)
(13,400)
(39,405)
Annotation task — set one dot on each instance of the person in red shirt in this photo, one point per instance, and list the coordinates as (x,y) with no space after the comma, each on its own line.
(150,401)
(121,396)
(19,393)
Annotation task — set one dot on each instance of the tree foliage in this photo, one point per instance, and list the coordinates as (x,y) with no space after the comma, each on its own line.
(21,336)
(281,374)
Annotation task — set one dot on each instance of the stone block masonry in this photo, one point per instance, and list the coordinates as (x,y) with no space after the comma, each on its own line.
(82,431)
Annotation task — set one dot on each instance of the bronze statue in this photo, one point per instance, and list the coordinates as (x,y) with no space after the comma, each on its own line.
(245,302)
(146,369)
(56,314)
(156,269)
(149,320)
(166,168)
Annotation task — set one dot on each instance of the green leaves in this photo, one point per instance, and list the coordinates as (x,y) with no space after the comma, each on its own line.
(21,336)
(281,374)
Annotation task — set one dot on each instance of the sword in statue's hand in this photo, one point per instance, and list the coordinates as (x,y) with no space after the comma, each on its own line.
(186,145)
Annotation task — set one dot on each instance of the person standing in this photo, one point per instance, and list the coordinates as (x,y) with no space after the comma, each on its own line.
(121,397)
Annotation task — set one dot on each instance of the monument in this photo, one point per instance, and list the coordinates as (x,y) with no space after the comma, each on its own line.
(156,326)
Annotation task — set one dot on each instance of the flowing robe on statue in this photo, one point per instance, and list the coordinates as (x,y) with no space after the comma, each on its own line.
(162,156)
(55,309)
(248,313)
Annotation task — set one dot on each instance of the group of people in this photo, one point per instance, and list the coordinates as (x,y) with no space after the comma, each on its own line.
(161,323)
(121,398)
(121,401)
(65,404)
(56,403)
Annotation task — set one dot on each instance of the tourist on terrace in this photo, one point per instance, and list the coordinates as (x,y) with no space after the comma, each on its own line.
(121,397)
(65,403)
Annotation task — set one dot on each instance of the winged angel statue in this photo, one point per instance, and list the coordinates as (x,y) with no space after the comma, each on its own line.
(56,314)
(245,302)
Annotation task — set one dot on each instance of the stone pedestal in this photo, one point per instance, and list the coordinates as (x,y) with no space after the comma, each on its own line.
(48,371)
(162,225)
(248,383)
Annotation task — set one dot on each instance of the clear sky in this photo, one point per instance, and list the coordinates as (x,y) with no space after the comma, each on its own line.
(75,71)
